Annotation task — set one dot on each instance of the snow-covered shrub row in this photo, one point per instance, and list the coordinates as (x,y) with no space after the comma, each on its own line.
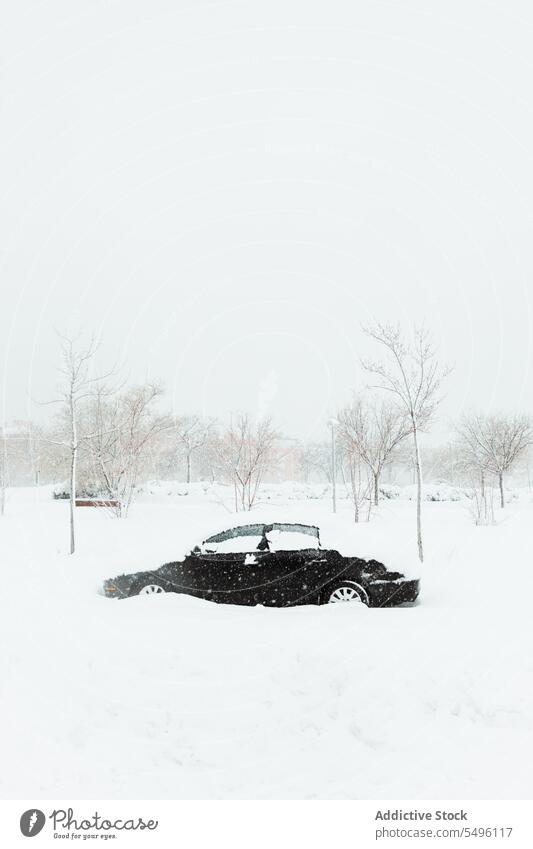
(434,492)
(511,495)
(293,491)
(289,491)
(88,490)
(445,492)
(170,488)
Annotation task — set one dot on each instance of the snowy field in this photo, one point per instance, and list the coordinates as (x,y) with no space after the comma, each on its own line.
(172,697)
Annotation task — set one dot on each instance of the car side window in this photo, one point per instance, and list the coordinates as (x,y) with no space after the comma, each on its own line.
(237,545)
(292,537)
(248,538)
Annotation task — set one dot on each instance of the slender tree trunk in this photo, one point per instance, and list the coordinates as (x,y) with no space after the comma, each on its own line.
(343,476)
(74,451)
(376,487)
(502,495)
(188,467)
(73,459)
(355,494)
(369,510)
(418,473)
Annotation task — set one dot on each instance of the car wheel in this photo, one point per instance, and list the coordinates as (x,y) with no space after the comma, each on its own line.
(150,589)
(346,592)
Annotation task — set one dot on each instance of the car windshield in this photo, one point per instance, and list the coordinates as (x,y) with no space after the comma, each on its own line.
(292,537)
(235,540)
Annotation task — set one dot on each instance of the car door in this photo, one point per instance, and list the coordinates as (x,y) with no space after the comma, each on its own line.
(298,565)
(319,571)
(267,575)
(271,578)
(225,569)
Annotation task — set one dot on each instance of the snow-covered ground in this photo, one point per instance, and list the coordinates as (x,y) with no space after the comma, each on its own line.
(171,697)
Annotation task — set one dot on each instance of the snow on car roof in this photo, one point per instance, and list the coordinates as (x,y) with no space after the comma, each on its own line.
(257,527)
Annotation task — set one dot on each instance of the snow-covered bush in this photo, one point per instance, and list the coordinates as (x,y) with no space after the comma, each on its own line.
(61,492)
(390,491)
(433,492)
(86,489)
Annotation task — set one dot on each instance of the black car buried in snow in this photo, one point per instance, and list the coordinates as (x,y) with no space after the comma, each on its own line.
(277,565)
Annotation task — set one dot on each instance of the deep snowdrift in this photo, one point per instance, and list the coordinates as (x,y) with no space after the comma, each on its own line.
(172,697)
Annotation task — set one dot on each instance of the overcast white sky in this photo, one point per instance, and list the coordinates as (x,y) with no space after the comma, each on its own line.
(226,190)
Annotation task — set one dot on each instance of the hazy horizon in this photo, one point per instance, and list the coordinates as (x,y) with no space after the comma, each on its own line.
(227,192)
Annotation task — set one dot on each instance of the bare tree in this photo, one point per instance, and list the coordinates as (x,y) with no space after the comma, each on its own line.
(315,457)
(193,434)
(373,431)
(245,451)
(482,502)
(75,386)
(493,444)
(123,429)
(482,496)
(412,374)
(358,480)
(444,462)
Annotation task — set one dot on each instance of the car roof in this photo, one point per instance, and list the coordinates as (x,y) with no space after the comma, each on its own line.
(234,530)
